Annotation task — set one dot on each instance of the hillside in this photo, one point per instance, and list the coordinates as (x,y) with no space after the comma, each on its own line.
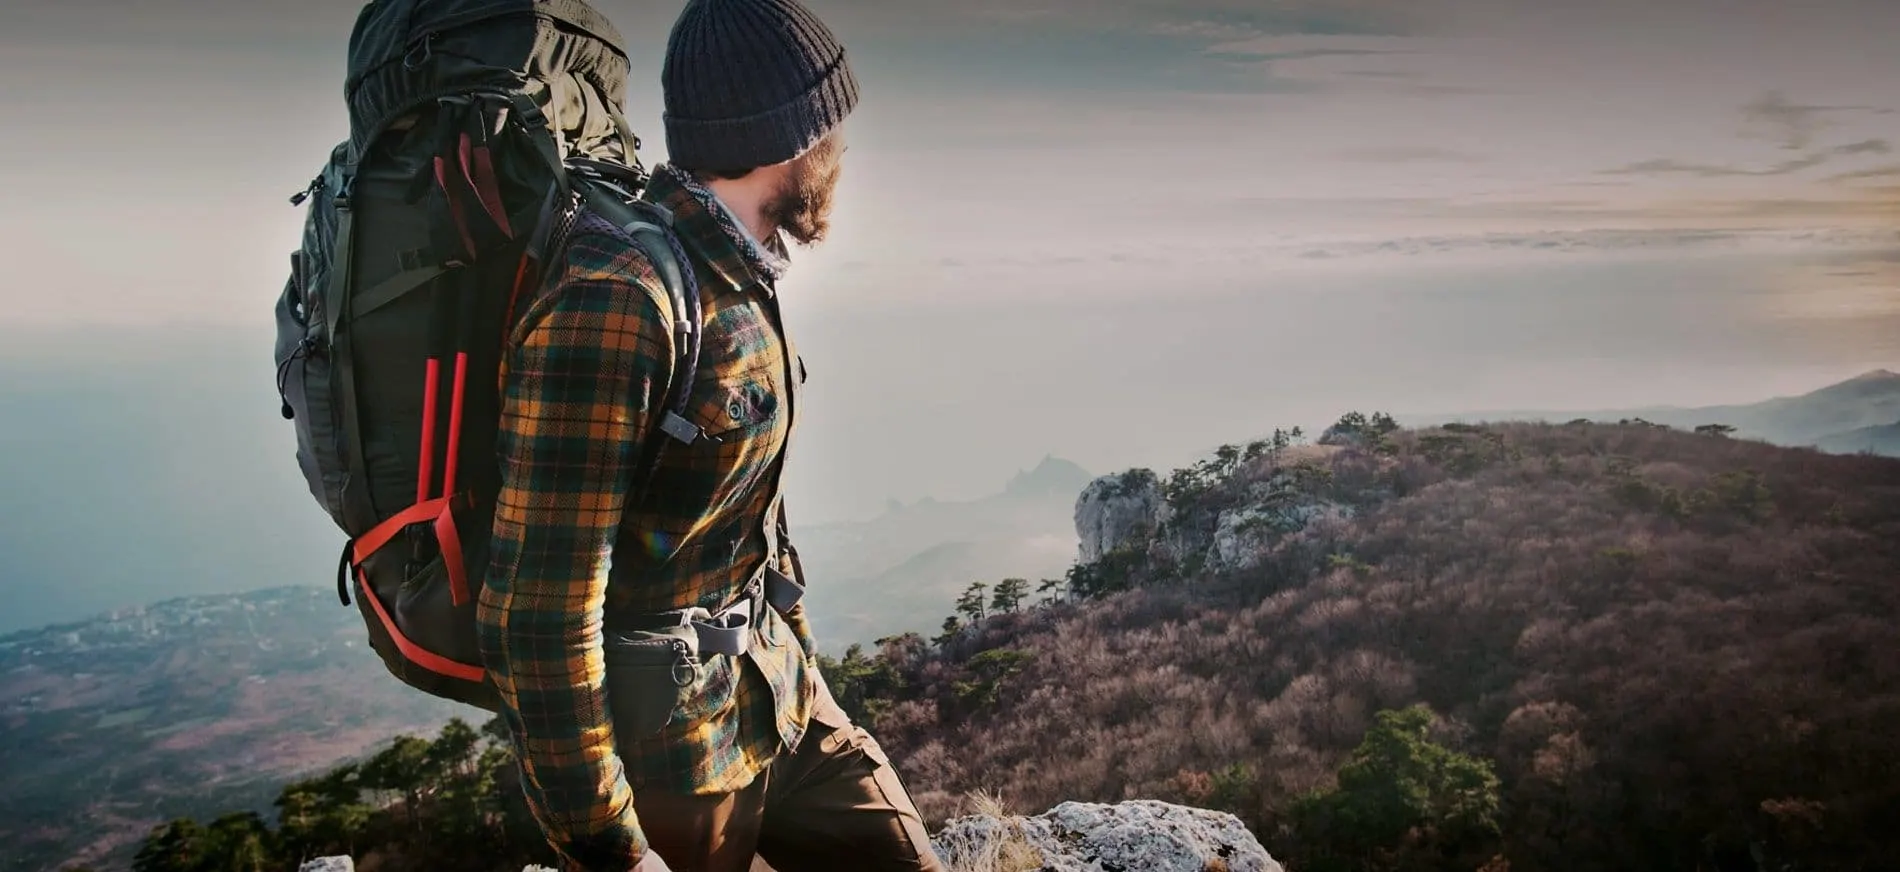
(889,574)
(211,703)
(182,708)
(1523,646)
(1884,440)
(1839,417)
(1673,650)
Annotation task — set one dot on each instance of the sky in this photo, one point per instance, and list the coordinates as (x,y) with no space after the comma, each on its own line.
(1117,231)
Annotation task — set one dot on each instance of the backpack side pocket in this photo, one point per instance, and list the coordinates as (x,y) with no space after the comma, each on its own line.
(649,675)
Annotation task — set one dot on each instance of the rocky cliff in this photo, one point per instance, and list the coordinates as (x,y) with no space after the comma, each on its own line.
(1088,837)
(1072,837)
(1130,512)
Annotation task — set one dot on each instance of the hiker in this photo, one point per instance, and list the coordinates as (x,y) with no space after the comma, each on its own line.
(547,396)
(627,750)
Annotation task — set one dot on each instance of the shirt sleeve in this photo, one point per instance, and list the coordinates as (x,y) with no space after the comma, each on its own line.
(581,378)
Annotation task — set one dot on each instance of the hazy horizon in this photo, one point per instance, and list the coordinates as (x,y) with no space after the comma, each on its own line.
(1115,231)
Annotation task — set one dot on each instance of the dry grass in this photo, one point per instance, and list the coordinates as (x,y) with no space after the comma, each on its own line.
(984,802)
(1010,852)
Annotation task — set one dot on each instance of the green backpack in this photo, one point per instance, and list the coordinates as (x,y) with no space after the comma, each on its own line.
(478,130)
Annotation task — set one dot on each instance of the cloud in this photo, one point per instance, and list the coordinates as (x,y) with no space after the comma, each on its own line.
(1280,46)
(1204,20)
(1205,30)
(1214,46)
(1405,154)
(1576,242)
(1669,166)
(1879,172)
(1115,47)
(1397,63)
(1793,123)
(1808,210)
(1870,146)
(1795,126)
(1773,116)
(1219,18)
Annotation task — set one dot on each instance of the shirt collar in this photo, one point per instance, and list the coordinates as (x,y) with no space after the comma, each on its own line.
(708,225)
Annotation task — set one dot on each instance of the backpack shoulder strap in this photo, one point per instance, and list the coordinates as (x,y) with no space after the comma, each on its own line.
(652,232)
(609,192)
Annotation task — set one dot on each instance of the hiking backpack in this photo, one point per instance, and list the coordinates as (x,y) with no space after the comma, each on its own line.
(478,130)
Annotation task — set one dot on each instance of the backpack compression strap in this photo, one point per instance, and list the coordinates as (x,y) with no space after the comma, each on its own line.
(463,171)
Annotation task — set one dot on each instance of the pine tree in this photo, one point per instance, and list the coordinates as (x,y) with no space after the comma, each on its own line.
(1398,785)
(1009,594)
(239,842)
(970,605)
(951,627)
(404,768)
(300,821)
(453,751)
(178,846)
(462,810)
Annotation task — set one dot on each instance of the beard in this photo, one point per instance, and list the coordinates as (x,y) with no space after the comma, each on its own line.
(802,207)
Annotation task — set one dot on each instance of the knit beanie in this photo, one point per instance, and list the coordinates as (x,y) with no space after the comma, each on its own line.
(750,83)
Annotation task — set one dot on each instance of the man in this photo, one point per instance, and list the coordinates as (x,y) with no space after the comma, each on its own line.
(755,755)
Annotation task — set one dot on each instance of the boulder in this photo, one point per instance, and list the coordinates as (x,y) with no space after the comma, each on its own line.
(1134,836)
(1119,510)
(345,864)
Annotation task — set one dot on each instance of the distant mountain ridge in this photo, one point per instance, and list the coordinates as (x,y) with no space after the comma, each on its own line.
(1883,439)
(1052,477)
(1859,414)
(902,570)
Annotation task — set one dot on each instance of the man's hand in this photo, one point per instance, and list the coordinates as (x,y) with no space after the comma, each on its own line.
(650,862)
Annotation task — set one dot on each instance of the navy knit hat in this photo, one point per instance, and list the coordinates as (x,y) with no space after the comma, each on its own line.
(750,83)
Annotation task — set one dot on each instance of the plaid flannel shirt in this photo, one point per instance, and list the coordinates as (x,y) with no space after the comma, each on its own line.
(582,389)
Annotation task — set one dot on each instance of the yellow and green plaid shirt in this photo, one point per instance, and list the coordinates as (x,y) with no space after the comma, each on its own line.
(584,385)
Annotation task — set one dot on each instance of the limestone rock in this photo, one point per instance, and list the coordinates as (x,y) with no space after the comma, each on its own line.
(1239,538)
(1140,835)
(1118,510)
(1245,535)
(345,864)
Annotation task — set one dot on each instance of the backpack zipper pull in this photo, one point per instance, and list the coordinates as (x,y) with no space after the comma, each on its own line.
(315,185)
(304,348)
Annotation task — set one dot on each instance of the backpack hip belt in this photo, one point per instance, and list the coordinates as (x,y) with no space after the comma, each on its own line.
(728,631)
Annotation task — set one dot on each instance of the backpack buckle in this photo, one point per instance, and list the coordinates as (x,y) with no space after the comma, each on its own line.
(679,428)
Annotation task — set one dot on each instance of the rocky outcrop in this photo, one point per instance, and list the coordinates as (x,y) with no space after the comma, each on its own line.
(1116,510)
(1134,836)
(1130,512)
(345,864)
(1086,837)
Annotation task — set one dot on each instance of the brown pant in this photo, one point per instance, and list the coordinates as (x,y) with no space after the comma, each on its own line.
(834,803)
